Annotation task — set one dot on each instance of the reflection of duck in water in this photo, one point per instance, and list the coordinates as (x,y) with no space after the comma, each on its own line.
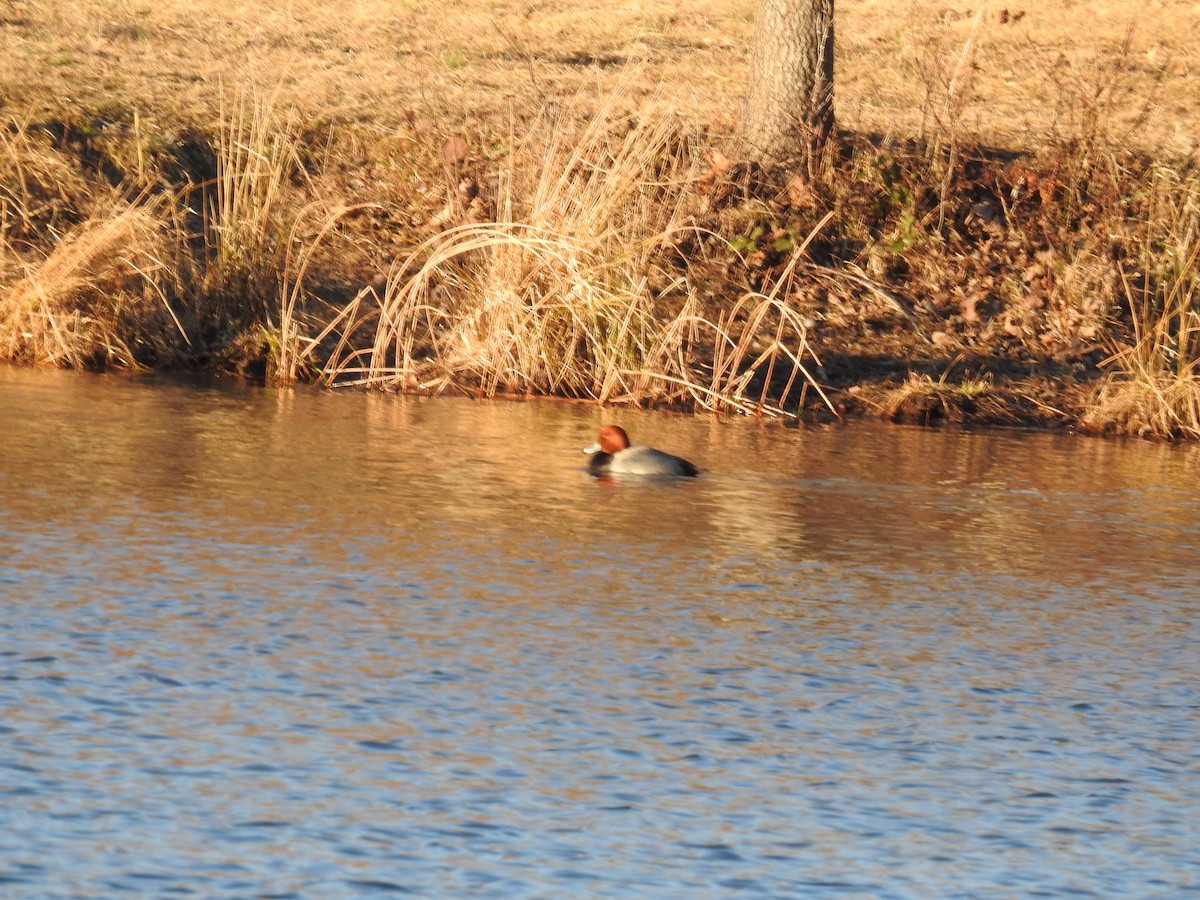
(613,456)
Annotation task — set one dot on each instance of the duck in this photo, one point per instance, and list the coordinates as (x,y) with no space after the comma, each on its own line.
(613,455)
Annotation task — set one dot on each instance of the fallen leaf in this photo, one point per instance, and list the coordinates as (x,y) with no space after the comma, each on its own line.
(455,152)
(720,162)
(720,165)
(800,193)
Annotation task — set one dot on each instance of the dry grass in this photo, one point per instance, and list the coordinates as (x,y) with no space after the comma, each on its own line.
(587,241)
(97,300)
(40,189)
(144,280)
(924,400)
(466,64)
(245,223)
(551,293)
(575,286)
(1154,390)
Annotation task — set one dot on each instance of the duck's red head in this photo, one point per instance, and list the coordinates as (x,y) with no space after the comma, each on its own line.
(613,439)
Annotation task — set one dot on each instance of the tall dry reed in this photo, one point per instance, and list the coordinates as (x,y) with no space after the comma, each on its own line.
(247,220)
(575,288)
(1154,386)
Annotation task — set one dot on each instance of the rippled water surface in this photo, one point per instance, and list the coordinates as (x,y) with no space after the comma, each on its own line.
(302,644)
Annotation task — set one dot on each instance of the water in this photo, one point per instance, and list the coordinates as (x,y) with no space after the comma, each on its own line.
(301,644)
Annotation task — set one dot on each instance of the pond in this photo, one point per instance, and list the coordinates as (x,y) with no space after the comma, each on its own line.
(294,643)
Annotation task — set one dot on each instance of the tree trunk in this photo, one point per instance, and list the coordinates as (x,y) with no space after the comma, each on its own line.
(788,110)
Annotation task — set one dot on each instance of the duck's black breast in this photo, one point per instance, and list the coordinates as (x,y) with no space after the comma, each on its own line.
(600,463)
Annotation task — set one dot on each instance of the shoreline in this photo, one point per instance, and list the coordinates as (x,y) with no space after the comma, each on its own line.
(876,345)
(595,243)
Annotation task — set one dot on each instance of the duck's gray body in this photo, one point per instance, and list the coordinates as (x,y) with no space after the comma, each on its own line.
(614,456)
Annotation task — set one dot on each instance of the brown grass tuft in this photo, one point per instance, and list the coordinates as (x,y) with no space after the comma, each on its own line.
(576,288)
(247,221)
(923,400)
(1154,388)
(97,300)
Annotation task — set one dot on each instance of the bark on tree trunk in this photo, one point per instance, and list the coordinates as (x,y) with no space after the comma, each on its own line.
(788,109)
